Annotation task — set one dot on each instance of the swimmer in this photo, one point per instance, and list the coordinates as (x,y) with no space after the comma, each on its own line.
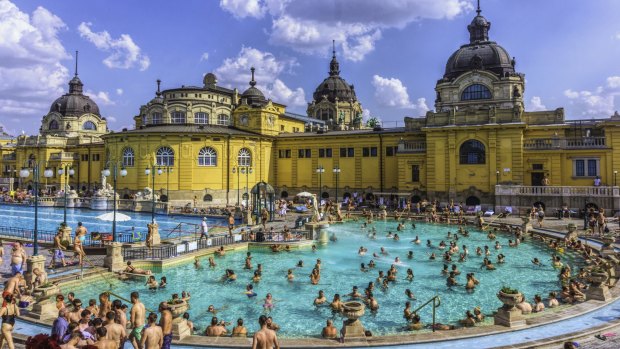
(320,299)
(410,255)
(416,240)
(313,248)
(163,282)
(372,303)
(445,270)
(389,235)
(300,264)
(248,261)
(501,258)
(409,275)
(212,262)
(451,280)
(471,282)
(151,283)
(497,245)
(336,303)
(535,261)
(363,268)
(318,264)
(455,270)
(230,275)
(268,302)
(315,276)
(442,245)
(196,263)
(432,256)
(249,291)
(355,293)
(289,275)
(396,237)
(397,260)
(380,277)
(486,251)
(383,251)
(361,251)
(384,285)
(220,252)
(429,243)
(256,278)
(478,251)
(409,294)
(371,264)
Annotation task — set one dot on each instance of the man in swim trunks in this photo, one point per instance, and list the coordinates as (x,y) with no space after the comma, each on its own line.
(18,258)
(137,318)
(78,242)
(153,337)
(165,322)
(58,251)
(264,338)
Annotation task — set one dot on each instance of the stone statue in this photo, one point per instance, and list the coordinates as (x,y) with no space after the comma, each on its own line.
(145,194)
(104,180)
(316,216)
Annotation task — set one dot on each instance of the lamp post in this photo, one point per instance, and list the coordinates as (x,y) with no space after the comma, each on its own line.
(615,178)
(147,172)
(168,170)
(320,170)
(107,173)
(246,170)
(25,173)
(66,171)
(496,177)
(336,171)
(237,170)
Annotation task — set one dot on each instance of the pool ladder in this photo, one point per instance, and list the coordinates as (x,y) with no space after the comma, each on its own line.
(436,302)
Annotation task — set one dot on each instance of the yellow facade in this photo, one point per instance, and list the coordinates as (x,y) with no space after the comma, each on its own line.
(207,139)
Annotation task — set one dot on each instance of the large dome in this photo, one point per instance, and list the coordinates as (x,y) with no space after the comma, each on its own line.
(487,56)
(334,86)
(480,53)
(74,103)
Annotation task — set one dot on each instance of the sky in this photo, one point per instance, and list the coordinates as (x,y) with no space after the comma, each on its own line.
(393,51)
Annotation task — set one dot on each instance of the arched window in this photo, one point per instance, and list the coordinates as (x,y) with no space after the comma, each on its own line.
(177,117)
(53,125)
(472,201)
(244,158)
(165,156)
(156,118)
(475,91)
(201,118)
(128,157)
(207,157)
(90,126)
(222,119)
(472,152)
(207,198)
(143,120)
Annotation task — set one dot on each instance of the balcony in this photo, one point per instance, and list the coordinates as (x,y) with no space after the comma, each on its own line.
(412,147)
(63,156)
(564,143)
(9,157)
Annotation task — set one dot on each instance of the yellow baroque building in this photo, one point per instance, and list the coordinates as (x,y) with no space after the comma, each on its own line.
(478,146)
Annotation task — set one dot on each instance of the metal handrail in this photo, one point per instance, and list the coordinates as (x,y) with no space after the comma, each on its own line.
(436,302)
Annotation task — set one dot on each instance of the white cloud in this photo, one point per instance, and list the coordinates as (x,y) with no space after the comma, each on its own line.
(119,91)
(421,105)
(617,36)
(101,97)
(601,102)
(536,104)
(244,8)
(124,53)
(391,92)
(236,72)
(309,26)
(204,56)
(31,73)
(111,118)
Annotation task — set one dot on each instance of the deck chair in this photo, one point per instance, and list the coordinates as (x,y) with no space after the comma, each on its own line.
(507,212)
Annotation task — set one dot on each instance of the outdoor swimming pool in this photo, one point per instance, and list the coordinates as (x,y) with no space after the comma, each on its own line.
(51,217)
(294,310)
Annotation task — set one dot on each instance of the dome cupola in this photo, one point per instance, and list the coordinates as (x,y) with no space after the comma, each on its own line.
(253,96)
(334,86)
(75,103)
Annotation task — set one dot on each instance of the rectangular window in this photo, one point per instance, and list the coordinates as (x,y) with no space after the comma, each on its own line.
(391,151)
(415,173)
(537,167)
(365,152)
(177,117)
(325,153)
(284,153)
(201,118)
(305,153)
(347,152)
(84,157)
(586,167)
(95,157)
(369,152)
(373,151)
(156,118)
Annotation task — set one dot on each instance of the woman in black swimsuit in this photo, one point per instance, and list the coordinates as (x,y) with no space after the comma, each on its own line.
(8,312)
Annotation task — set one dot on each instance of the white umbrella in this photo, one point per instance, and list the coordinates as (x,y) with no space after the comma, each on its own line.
(110,217)
(304,194)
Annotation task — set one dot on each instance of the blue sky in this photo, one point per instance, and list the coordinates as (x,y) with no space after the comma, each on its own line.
(392,51)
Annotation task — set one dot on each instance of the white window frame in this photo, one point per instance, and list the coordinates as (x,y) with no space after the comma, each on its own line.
(129,157)
(165,156)
(207,157)
(201,118)
(178,117)
(157,118)
(586,171)
(223,119)
(244,158)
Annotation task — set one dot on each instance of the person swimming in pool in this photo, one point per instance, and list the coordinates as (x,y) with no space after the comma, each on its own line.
(268,302)
(290,276)
(249,291)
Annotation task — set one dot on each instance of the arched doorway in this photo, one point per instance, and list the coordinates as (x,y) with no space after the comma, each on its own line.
(472,201)
(284,194)
(539,204)
(325,195)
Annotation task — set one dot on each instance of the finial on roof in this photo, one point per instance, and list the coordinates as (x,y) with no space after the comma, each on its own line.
(76,62)
(334,48)
(478,10)
(158,93)
(252,82)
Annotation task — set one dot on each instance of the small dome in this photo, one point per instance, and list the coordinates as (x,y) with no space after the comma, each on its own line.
(74,105)
(253,96)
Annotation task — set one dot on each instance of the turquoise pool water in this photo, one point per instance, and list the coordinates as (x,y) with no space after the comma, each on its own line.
(294,310)
(50,217)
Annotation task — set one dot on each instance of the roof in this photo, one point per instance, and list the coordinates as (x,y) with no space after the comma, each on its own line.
(343,133)
(200,88)
(305,119)
(188,129)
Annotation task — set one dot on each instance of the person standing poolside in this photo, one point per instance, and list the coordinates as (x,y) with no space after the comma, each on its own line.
(78,242)
(9,312)
(165,321)
(231,223)
(153,336)
(116,332)
(102,341)
(18,258)
(58,251)
(204,229)
(136,318)
(264,338)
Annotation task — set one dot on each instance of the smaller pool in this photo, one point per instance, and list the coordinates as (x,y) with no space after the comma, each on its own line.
(51,217)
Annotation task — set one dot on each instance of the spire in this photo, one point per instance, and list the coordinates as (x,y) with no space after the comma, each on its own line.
(252,82)
(158,93)
(334,66)
(479,27)
(76,62)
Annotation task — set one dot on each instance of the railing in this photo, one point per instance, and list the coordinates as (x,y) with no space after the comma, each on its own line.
(412,147)
(63,156)
(165,251)
(194,228)
(436,302)
(9,157)
(564,143)
(523,190)
(27,234)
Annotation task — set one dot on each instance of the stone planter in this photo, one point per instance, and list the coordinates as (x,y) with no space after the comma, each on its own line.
(598,289)
(41,293)
(597,278)
(509,299)
(352,327)
(178,309)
